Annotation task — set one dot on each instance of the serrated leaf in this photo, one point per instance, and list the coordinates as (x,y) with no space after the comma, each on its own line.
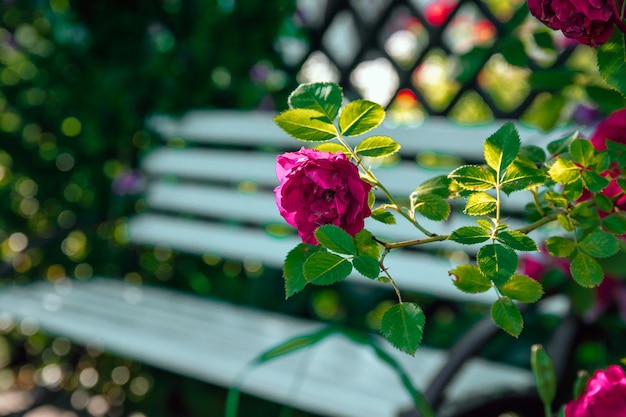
(366,245)
(594,182)
(306,125)
(566,222)
(599,244)
(522,288)
(486,225)
(403,326)
(612,61)
(560,247)
(469,235)
(323,97)
(507,316)
(516,240)
(615,224)
(377,147)
(439,185)
(474,178)
(360,116)
(497,262)
(480,204)
(324,268)
(559,146)
(335,239)
(469,279)
(603,202)
(383,216)
(574,190)
(502,147)
(520,176)
(332,147)
(533,153)
(586,271)
(582,151)
(432,207)
(564,171)
(293,268)
(367,266)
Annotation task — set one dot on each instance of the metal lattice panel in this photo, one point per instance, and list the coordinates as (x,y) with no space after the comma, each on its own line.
(436,57)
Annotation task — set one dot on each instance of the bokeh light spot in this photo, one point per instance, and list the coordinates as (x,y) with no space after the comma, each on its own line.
(71,127)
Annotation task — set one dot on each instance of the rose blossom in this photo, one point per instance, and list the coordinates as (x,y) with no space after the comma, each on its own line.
(587,21)
(318,188)
(605,395)
(612,128)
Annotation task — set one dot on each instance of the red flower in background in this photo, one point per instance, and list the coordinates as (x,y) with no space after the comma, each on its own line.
(589,22)
(605,395)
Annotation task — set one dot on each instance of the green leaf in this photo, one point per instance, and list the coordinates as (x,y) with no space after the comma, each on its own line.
(520,177)
(480,204)
(599,244)
(615,224)
(323,268)
(612,62)
(360,116)
(586,271)
(545,376)
(603,202)
(608,100)
(551,79)
(432,207)
(573,191)
(332,147)
(377,146)
(469,279)
(367,266)
(439,185)
(522,288)
(335,239)
(383,216)
(474,178)
(502,147)
(293,345)
(564,171)
(566,222)
(366,245)
(507,316)
(497,262)
(560,146)
(517,240)
(323,97)
(594,182)
(306,125)
(512,49)
(560,246)
(469,235)
(545,111)
(533,153)
(582,151)
(486,225)
(403,326)
(293,268)
(543,40)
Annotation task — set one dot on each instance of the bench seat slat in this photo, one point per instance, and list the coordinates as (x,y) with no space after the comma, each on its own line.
(412,271)
(339,378)
(258,129)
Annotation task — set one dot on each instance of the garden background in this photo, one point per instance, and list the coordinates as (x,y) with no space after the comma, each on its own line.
(78,80)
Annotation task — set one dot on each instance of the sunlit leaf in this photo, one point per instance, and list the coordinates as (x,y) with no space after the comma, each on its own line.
(366,245)
(306,125)
(502,147)
(586,271)
(564,171)
(517,240)
(377,146)
(582,151)
(360,116)
(480,204)
(469,235)
(383,216)
(560,247)
(439,185)
(520,176)
(599,244)
(522,288)
(469,279)
(335,239)
(474,177)
(497,262)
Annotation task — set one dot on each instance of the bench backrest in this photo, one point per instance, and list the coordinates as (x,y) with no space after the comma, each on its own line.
(210,191)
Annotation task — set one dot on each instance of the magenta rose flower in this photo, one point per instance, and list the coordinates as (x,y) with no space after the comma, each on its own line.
(318,188)
(612,128)
(589,22)
(605,395)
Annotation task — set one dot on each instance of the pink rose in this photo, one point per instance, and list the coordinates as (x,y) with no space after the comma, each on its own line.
(605,395)
(318,188)
(612,128)
(587,21)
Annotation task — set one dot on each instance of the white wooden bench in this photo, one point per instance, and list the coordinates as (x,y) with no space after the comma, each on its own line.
(212,340)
